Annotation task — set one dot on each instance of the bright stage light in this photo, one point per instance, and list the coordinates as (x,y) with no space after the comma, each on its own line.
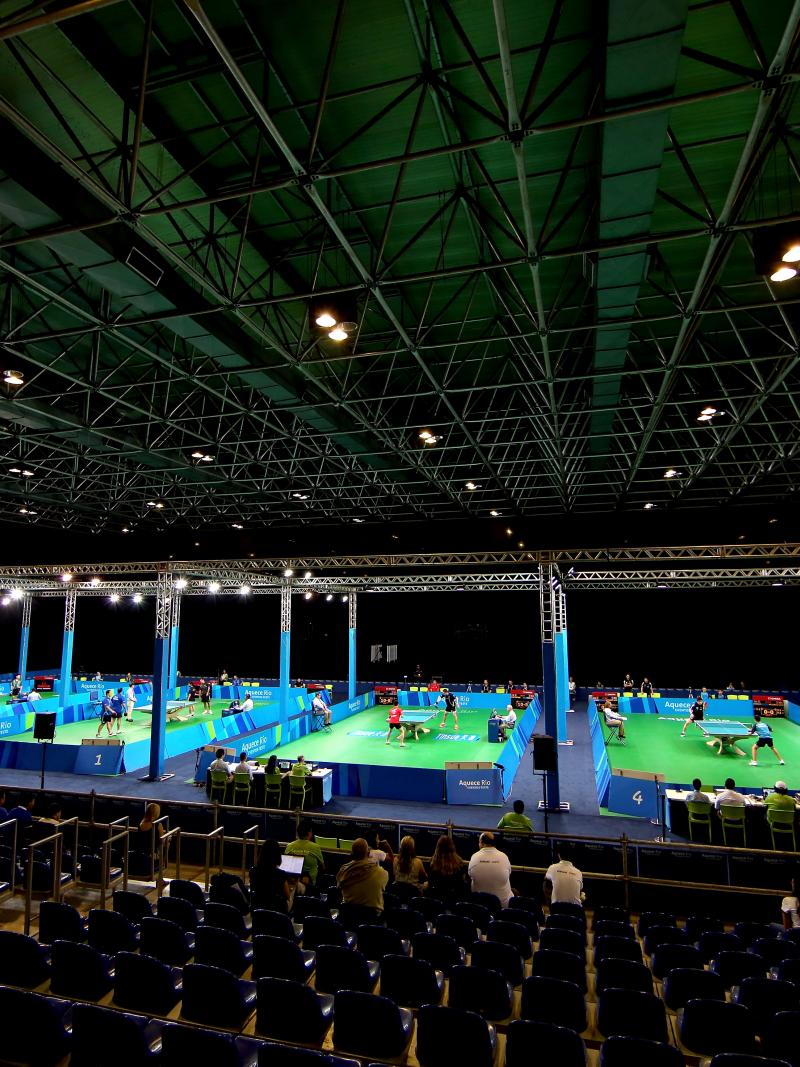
(308,595)
(495,514)
(329,597)
(288,572)
(66,577)
(16,594)
(237,526)
(344,599)
(649,507)
(137,598)
(13,377)
(95,581)
(338,334)
(213,587)
(325,320)
(244,590)
(114,598)
(708,411)
(180,583)
(5,601)
(308,574)
(672,473)
(783,274)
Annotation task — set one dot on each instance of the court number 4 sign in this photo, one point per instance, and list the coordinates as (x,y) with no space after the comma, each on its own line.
(637,797)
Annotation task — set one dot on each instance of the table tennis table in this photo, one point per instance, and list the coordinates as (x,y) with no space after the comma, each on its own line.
(725,730)
(173,707)
(414,721)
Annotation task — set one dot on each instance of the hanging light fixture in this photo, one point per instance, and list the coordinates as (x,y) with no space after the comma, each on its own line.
(776,252)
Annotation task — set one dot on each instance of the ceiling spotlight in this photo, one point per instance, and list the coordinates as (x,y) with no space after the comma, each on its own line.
(15,470)
(244,589)
(307,595)
(5,601)
(137,598)
(237,526)
(473,485)
(772,521)
(344,598)
(777,583)
(649,507)
(358,520)
(308,574)
(114,598)
(338,334)
(671,473)
(325,320)
(329,597)
(213,587)
(783,274)
(66,577)
(494,514)
(509,531)
(520,544)
(773,248)
(126,529)
(197,455)
(13,377)
(180,583)
(16,594)
(288,572)
(708,411)
(425,434)
(300,496)
(157,504)
(27,474)
(95,581)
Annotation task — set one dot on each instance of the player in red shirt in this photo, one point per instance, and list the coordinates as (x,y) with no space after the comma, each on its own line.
(394,724)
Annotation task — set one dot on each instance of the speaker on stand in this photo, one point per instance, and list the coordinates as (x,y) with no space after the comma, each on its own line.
(44,730)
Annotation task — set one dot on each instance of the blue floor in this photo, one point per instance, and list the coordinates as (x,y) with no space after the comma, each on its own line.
(576,776)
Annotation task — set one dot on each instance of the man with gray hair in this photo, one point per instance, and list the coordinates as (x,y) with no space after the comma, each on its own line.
(490,870)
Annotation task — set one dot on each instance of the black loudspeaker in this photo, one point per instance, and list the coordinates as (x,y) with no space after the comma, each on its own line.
(44,725)
(545,753)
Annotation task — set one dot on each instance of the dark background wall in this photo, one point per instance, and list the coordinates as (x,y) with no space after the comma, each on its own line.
(675,637)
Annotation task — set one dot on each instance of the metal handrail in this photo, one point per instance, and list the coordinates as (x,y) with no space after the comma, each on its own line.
(13,826)
(57,841)
(163,857)
(213,836)
(105,863)
(244,839)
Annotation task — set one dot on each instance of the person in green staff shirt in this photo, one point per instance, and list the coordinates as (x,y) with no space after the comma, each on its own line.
(303,845)
(301,767)
(516,819)
(781,799)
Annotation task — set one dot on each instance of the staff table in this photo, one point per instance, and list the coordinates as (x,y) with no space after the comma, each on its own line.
(320,782)
(758,832)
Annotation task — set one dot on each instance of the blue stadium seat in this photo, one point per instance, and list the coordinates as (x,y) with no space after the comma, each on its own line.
(648,919)
(460,927)
(447,1035)
(610,913)
(696,925)
(684,984)
(488,901)
(38,1036)
(788,971)
(184,889)
(513,934)
(613,928)
(712,942)
(522,918)
(566,907)
(273,1055)
(134,906)
(275,924)
(480,915)
(575,923)
(663,935)
(552,1000)
(307,905)
(499,957)
(553,964)
(735,1059)
(215,997)
(560,940)
(60,922)
(23,961)
(406,922)
(734,967)
(441,951)
(480,990)
(178,910)
(634,1051)
(370,1025)
(275,957)
(166,941)
(774,949)
(79,971)
(104,1037)
(289,1011)
(144,984)
(792,935)
(375,942)
(321,931)
(342,968)
(226,917)
(623,974)
(529,905)
(183,1045)
(765,998)
(411,982)
(616,948)
(110,932)
(667,957)
(781,1040)
(711,1026)
(430,907)
(221,948)
(402,891)
(621,1012)
(752,931)
(229,889)
(530,1042)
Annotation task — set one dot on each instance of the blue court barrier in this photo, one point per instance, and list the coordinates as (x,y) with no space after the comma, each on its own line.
(793,713)
(718,707)
(637,797)
(474,787)
(602,769)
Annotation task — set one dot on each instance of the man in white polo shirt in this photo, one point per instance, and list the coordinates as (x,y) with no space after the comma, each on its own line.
(490,870)
(563,882)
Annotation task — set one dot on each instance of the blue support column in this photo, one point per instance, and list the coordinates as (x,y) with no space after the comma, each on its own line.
(65,680)
(351,645)
(158,729)
(549,678)
(562,682)
(174,639)
(286,649)
(24,637)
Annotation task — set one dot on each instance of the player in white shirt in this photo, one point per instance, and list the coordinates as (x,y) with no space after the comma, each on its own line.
(130,701)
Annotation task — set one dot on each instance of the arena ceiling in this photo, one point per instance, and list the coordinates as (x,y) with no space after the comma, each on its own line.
(539,217)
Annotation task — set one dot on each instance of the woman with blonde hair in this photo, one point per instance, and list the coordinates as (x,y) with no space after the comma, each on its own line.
(408,867)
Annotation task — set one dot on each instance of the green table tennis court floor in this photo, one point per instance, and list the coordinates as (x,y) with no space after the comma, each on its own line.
(654,744)
(361,739)
(139,730)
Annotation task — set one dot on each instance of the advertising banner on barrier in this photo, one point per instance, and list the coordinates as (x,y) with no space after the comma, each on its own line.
(474,787)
